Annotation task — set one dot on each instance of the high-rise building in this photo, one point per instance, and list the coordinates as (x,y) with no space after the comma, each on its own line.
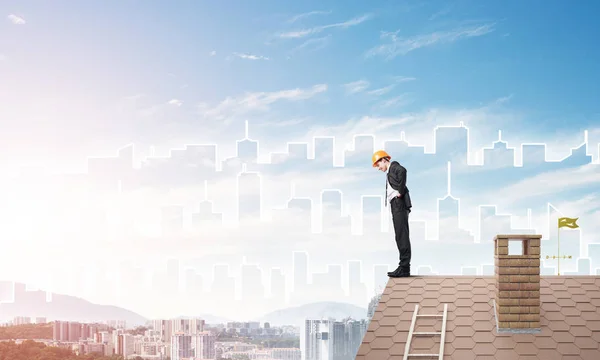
(338,340)
(181,326)
(300,271)
(204,345)
(324,147)
(57,333)
(330,339)
(247,149)
(371,206)
(172,220)
(301,210)
(452,143)
(499,156)
(21,320)
(297,153)
(315,340)
(355,331)
(203,158)
(491,223)
(206,217)
(191,326)
(533,155)
(249,194)
(223,285)
(277,286)
(331,212)
(196,326)
(164,328)
(173,277)
(252,285)
(286,353)
(117,324)
(364,146)
(380,277)
(357,289)
(125,345)
(449,230)
(181,347)
(74,331)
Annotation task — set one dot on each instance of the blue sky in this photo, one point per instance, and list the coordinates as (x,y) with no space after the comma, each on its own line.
(79,61)
(81,79)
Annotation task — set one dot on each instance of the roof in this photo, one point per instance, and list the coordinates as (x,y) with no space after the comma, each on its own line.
(569,319)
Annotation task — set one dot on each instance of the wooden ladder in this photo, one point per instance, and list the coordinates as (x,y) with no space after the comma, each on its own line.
(412,333)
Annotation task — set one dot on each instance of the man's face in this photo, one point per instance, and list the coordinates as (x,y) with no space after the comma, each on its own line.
(382,165)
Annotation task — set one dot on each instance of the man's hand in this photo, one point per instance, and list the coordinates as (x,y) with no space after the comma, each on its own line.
(399,195)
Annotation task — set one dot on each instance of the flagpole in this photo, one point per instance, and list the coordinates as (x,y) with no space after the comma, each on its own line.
(558,240)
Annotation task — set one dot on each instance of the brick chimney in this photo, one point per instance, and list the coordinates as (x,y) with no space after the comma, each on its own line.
(517,283)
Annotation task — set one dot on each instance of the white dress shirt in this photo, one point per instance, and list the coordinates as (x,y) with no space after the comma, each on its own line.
(391,192)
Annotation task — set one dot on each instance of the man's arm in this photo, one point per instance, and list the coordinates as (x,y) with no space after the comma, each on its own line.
(401,177)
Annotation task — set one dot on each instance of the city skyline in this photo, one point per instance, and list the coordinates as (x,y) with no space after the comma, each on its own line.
(152,152)
(189,280)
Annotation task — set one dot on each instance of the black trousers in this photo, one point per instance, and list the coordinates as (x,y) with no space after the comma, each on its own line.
(400,220)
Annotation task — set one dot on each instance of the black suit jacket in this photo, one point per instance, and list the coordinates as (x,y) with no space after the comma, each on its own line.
(397,178)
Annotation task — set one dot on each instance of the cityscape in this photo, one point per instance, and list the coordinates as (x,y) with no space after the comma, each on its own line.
(317,218)
(179,339)
(355,282)
(197,180)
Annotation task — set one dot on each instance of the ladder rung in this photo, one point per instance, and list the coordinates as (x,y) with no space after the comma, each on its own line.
(411,333)
(424,355)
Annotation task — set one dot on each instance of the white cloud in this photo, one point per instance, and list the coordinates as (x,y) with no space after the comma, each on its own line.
(313,44)
(556,148)
(356,86)
(400,100)
(250,56)
(17,20)
(386,89)
(276,190)
(175,102)
(396,46)
(441,13)
(317,29)
(418,126)
(548,183)
(3,57)
(281,123)
(258,101)
(212,53)
(401,79)
(308,14)
(382,91)
(504,99)
(135,97)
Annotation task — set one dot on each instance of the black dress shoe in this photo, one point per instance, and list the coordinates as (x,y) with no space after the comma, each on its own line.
(395,271)
(400,273)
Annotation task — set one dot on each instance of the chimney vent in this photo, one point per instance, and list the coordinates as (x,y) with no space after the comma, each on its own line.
(517,283)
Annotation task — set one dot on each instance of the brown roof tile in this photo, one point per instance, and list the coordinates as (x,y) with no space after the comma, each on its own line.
(569,319)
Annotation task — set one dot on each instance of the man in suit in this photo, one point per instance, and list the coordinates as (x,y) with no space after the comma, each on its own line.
(399,199)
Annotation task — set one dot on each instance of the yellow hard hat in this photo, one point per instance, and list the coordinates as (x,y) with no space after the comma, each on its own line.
(378,155)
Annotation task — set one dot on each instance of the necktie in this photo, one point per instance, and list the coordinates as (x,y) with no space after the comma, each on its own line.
(386,188)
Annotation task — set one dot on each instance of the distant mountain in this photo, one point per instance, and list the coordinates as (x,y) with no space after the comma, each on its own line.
(320,310)
(62,307)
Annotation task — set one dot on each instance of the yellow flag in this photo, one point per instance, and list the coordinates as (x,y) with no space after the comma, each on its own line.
(568,222)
